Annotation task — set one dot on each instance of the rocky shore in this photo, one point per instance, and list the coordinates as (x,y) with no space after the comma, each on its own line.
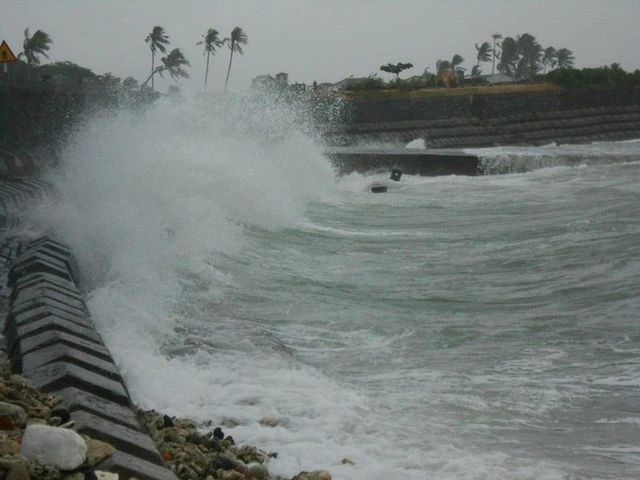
(190,450)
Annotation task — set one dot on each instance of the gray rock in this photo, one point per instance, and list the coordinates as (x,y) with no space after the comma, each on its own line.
(54,446)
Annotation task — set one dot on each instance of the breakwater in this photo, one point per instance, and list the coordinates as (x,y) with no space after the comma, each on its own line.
(493,119)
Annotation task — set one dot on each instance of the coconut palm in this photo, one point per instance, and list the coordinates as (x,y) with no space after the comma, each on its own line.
(483,53)
(530,53)
(211,40)
(157,39)
(450,69)
(496,36)
(234,42)
(173,63)
(34,47)
(564,58)
(508,56)
(549,58)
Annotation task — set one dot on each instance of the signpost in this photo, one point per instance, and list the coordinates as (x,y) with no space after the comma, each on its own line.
(6,56)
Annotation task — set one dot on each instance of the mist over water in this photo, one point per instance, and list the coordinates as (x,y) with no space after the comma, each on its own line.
(454,327)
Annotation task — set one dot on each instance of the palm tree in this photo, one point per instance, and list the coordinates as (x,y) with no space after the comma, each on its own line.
(33,47)
(496,36)
(530,53)
(564,58)
(211,41)
(483,54)
(508,56)
(450,69)
(173,63)
(157,40)
(234,42)
(549,58)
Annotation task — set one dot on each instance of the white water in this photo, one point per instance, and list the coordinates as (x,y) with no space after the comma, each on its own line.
(453,328)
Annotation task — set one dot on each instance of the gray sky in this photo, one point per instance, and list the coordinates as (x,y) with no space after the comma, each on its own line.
(323,40)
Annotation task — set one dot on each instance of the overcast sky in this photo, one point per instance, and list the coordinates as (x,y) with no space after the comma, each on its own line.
(322,40)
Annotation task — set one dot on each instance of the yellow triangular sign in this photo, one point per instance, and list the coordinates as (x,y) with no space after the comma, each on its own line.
(6,55)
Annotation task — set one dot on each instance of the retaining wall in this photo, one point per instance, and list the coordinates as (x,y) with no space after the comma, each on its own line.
(484,120)
(52,341)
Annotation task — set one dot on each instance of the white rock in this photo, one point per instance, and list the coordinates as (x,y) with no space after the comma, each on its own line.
(54,446)
(106,475)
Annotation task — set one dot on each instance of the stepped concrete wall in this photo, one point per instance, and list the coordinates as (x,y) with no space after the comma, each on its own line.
(51,340)
(485,120)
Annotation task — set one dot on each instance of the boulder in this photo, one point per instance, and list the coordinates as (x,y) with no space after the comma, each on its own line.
(54,446)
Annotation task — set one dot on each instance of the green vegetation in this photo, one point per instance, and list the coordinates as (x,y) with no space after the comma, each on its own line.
(613,76)
(396,69)
(234,42)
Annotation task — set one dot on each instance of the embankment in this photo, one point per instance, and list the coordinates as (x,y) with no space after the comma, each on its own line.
(491,116)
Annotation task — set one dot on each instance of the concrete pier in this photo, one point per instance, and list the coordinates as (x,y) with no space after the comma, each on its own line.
(412,162)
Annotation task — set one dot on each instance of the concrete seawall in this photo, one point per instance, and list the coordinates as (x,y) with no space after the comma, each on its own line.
(411,162)
(51,340)
(49,336)
(460,121)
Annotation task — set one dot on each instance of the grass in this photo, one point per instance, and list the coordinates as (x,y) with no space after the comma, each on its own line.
(447,92)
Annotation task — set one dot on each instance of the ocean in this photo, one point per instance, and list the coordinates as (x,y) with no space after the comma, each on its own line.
(454,327)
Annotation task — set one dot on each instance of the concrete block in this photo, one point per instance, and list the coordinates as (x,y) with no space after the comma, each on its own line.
(74,399)
(49,323)
(127,440)
(60,352)
(44,339)
(58,375)
(43,311)
(38,277)
(38,304)
(42,287)
(57,251)
(50,297)
(128,466)
(38,263)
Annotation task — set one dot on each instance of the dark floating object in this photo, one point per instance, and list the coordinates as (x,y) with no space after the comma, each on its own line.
(396,174)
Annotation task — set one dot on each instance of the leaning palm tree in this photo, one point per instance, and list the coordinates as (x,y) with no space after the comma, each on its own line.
(564,58)
(484,52)
(509,56)
(450,70)
(496,36)
(157,40)
(549,58)
(211,41)
(33,47)
(234,42)
(530,53)
(173,63)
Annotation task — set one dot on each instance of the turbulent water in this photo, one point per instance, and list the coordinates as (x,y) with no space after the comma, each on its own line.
(455,327)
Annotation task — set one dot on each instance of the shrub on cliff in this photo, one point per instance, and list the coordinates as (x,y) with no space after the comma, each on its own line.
(613,76)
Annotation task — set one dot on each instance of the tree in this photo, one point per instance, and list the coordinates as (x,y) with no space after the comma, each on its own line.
(211,40)
(495,37)
(549,58)
(157,40)
(564,58)
(530,53)
(508,56)
(396,69)
(450,70)
(173,63)
(34,47)
(483,54)
(234,42)
(476,71)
